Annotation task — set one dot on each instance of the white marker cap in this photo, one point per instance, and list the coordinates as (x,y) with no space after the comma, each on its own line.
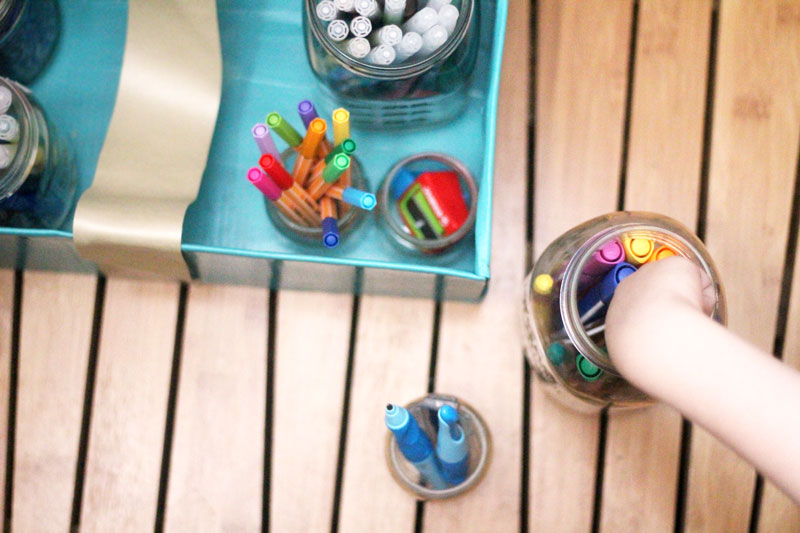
(361,26)
(437,4)
(408,46)
(358,47)
(433,39)
(421,21)
(393,11)
(326,11)
(382,55)
(448,16)
(347,6)
(9,128)
(5,99)
(390,34)
(368,8)
(7,152)
(337,30)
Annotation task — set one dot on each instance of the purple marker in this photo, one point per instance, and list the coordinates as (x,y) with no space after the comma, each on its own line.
(265,142)
(601,261)
(307,112)
(259,178)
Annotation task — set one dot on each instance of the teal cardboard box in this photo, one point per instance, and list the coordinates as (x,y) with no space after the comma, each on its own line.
(227,235)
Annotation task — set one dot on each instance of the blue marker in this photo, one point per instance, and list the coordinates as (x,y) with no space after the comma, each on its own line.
(414,444)
(451,446)
(601,292)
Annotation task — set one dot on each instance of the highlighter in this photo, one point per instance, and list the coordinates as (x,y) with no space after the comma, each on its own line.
(451,446)
(661,253)
(601,261)
(414,444)
(637,250)
(600,294)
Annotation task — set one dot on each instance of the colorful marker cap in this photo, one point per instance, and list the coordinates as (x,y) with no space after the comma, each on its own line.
(613,279)
(284,129)
(637,249)
(412,441)
(662,253)
(556,352)
(341,125)
(307,112)
(330,232)
(335,168)
(362,199)
(347,147)
(401,182)
(314,134)
(588,370)
(543,284)
(275,170)
(259,178)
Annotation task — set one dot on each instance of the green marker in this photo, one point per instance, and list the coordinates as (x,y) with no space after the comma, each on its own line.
(588,370)
(346,147)
(335,168)
(284,129)
(555,352)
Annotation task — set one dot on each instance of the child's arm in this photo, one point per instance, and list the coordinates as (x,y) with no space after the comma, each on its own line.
(660,338)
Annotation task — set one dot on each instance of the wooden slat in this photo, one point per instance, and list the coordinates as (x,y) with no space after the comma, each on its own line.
(55,335)
(480,354)
(391,365)
(664,162)
(581,83)
(756,127)
(6,328)
(130,403)
(311,348)
(217,467)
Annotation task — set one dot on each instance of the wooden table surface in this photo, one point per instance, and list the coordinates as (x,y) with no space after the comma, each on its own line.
(134,405)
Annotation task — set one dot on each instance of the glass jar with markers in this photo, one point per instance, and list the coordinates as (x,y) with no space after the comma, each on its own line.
(38,180)
(397,63)
(567,293)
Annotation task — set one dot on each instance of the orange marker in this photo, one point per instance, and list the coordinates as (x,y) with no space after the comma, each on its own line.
(305,157)
(637,250)
(662,253)
(321,181)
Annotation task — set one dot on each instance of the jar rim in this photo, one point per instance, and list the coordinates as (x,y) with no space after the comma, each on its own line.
(10,15)
(14,176)
(393,72)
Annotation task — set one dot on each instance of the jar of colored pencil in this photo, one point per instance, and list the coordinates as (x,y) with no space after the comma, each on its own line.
(395,63)
(38,179)
(567,294)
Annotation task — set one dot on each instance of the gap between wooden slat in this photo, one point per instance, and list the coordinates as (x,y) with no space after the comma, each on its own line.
(12,400)
(269,409)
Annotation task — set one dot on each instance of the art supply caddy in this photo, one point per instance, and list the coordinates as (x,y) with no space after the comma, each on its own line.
(273,58)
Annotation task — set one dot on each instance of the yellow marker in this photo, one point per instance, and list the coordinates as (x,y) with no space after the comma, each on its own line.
(543,284)
(341,125)
(661,253)
(637,250)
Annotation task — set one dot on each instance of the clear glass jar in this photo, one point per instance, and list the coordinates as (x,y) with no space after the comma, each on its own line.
(29,31)
(39,181)
(412,93)
(568,356)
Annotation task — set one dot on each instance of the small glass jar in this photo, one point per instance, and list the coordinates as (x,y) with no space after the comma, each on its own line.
(38,179)
(391,219)
(568,356)
(478,440)
(349,216)
(412,93)
(29,31)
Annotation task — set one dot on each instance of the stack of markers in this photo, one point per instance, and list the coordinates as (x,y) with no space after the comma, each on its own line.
(380,33)
(318,189)
(604,271)
(9,130)
(442,466)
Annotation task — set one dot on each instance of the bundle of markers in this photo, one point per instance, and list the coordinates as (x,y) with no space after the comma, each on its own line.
(9,130)
(388,32)
(604,271)
(318,189)
(442,466)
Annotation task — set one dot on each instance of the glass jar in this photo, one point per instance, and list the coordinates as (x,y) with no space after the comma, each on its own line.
(29,31)
(38,179)
(567,354)
(412,93)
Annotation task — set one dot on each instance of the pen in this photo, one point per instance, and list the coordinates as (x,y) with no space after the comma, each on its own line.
(305,157)
(5,99)
(421,21)
(263,183)
(637,249)
(9,129)
(306,205)
(326,11)
(414,444)
(598,296)
(284,130)
(341,126)
(452,450)
(601,261)
(432,39)
(321,180)
(661,253)
(360,26)
(382,54)
(338,30)
(356,197)
(358,47)
(330,227)
(307,112)
(390,34)
(264,141)
(393,11)
(448,16)
(408,46)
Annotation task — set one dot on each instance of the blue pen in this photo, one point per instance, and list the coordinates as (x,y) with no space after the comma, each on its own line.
(595,300)
(414,444)
(451,446)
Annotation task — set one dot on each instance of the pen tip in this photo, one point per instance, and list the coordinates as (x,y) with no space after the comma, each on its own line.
(389,407)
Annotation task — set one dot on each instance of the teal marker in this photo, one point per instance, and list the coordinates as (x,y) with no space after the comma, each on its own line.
(451,446)
(414,444)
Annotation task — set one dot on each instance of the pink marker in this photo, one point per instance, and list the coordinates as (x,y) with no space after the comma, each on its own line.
(264,183)
(264,141)
(601,261)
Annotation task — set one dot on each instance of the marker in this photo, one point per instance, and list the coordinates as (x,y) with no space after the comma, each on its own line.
(421,21)
(661,253)
(448,17)
(414,444)
(360,26)
(601,261)
(338,30)
(408,46)
(437,4)
(389,35)
(358,47)
(341,125)
(393,11)
(588,370)
(305,157)
(307,112)
(305,203)
(326,11)
(264,141)
(347,147)
(330,226)
(637,249)
(543,284)
(321,181)
(9,129)
(263,183)
(601,292)
(382,55)
(368,8)
(355,197)
(556,352)
(5,99)
(348,6)
(284,130)
(452,450)
(7,152)
(432,40)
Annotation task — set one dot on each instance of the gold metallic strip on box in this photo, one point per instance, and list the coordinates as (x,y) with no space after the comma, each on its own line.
(130,220)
